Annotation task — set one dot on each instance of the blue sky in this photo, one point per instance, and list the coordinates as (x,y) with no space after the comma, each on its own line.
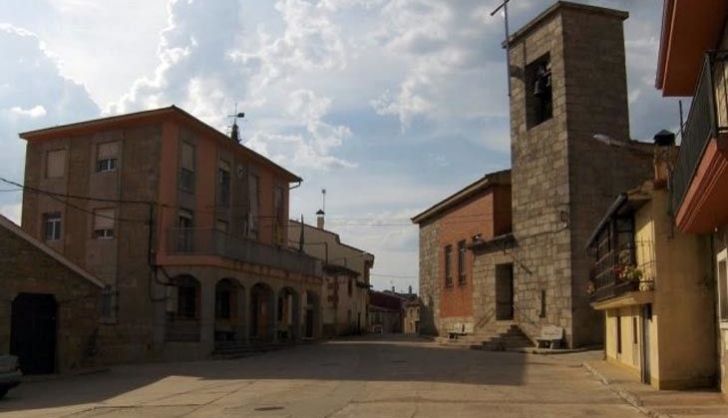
(390,105)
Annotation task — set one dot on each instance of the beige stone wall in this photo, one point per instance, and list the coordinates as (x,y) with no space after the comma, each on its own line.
(430,288)
(562,179)
(631,328)
(26,269)
(484,279)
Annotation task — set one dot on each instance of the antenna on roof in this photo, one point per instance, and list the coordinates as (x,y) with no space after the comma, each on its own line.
(235,132)
(323,198)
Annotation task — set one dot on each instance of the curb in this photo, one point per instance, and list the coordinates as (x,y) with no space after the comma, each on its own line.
(627,396)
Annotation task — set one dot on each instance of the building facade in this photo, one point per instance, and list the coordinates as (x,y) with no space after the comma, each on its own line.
(650,282)
(693,61)
(386,312)
(568,103)
(345,291)
(456,292)
(49,307)
(185,227)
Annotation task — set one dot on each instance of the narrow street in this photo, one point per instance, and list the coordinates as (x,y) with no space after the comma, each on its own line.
(382,377)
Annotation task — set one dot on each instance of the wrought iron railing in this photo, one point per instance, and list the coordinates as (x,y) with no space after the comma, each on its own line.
(605,275)
(197,241)
(708,117)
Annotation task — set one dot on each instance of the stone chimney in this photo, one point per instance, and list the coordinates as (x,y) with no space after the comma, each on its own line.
(320,219)
(410,290)
(665,156)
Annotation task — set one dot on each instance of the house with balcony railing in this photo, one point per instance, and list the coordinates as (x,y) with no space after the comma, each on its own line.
(693,62)
(649,280)
(186,227)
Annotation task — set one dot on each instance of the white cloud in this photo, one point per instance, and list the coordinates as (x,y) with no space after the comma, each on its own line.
(34,112)
(12,211)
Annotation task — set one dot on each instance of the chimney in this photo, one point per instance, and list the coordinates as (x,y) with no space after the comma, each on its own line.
(665,155)
(393,289)
(410,289)
(320,219)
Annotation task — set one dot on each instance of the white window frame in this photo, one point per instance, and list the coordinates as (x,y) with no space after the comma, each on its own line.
(721,257)
(56,219)
(104,233)
(105,164)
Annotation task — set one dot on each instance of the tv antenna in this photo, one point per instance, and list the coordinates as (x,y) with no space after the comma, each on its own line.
(504,7)
(235,132)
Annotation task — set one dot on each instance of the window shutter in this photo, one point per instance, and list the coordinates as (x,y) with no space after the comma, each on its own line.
(103,219)
(56,163)
(188,156)
(108,150)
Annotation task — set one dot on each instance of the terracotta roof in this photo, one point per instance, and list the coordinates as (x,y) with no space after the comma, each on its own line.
(137,117)
(15,229)
(492,179)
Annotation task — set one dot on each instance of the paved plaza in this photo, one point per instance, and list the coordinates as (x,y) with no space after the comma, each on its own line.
(373,377)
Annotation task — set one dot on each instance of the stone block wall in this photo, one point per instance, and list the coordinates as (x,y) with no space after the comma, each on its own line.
(429,275)
(26,269)
(563,179)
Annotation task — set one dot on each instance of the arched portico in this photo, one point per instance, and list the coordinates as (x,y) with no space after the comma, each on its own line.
(262,312)
(312,315)
(288,315)
(183,309)
(229,312)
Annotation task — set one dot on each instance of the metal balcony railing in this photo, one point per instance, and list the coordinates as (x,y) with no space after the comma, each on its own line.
(708,118)
(197,241)
(607,282)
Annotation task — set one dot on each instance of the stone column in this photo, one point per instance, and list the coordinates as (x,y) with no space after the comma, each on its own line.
(207,315)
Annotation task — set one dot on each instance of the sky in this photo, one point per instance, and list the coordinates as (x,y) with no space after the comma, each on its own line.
(389,105)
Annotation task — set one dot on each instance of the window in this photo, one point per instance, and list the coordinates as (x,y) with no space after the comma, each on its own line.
(254,202)
(448,267)
(722,272)
(52,226)
(539,98)
(223,184)
(634,330)
(185,233)
(350,286)
(543,305)
(107,155)
(104,223)
(187,168)
(278,209)
(56,164)
(461,263)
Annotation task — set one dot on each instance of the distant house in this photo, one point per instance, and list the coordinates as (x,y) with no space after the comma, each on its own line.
(345,287)
(649,280)
(386,312)
(457,277)
(49,307)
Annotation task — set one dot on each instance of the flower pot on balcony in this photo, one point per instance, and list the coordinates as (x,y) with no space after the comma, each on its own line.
(647,285)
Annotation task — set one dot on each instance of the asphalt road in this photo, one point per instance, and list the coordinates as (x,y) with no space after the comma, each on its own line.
(384,377)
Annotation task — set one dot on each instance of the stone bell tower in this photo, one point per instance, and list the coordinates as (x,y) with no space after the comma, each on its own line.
(568,83)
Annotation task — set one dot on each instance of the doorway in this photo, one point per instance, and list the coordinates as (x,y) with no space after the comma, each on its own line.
(504,292)
(33,332)
(646,321)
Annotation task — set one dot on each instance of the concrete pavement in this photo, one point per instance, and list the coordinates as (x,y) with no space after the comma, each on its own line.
(383,377)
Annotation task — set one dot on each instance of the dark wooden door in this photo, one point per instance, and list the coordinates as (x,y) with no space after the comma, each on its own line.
(33,332)
(504,292)
(309,323)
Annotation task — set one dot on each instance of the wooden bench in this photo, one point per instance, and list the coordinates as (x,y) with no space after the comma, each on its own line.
(551,337)
(459,329)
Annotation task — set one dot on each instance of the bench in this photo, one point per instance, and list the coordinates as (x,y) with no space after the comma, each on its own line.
(551,337)
(458,329)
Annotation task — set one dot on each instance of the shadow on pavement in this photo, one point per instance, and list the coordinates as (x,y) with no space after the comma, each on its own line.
(374,359)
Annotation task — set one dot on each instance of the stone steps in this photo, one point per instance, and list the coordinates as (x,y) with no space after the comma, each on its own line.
(493,337)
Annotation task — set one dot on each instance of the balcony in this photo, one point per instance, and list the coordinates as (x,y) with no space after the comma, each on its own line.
(608,277)
(211,242)
(702,166)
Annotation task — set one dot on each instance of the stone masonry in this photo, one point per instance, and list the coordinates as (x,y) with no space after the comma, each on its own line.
(26,268)
(562,178)
(429,274)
